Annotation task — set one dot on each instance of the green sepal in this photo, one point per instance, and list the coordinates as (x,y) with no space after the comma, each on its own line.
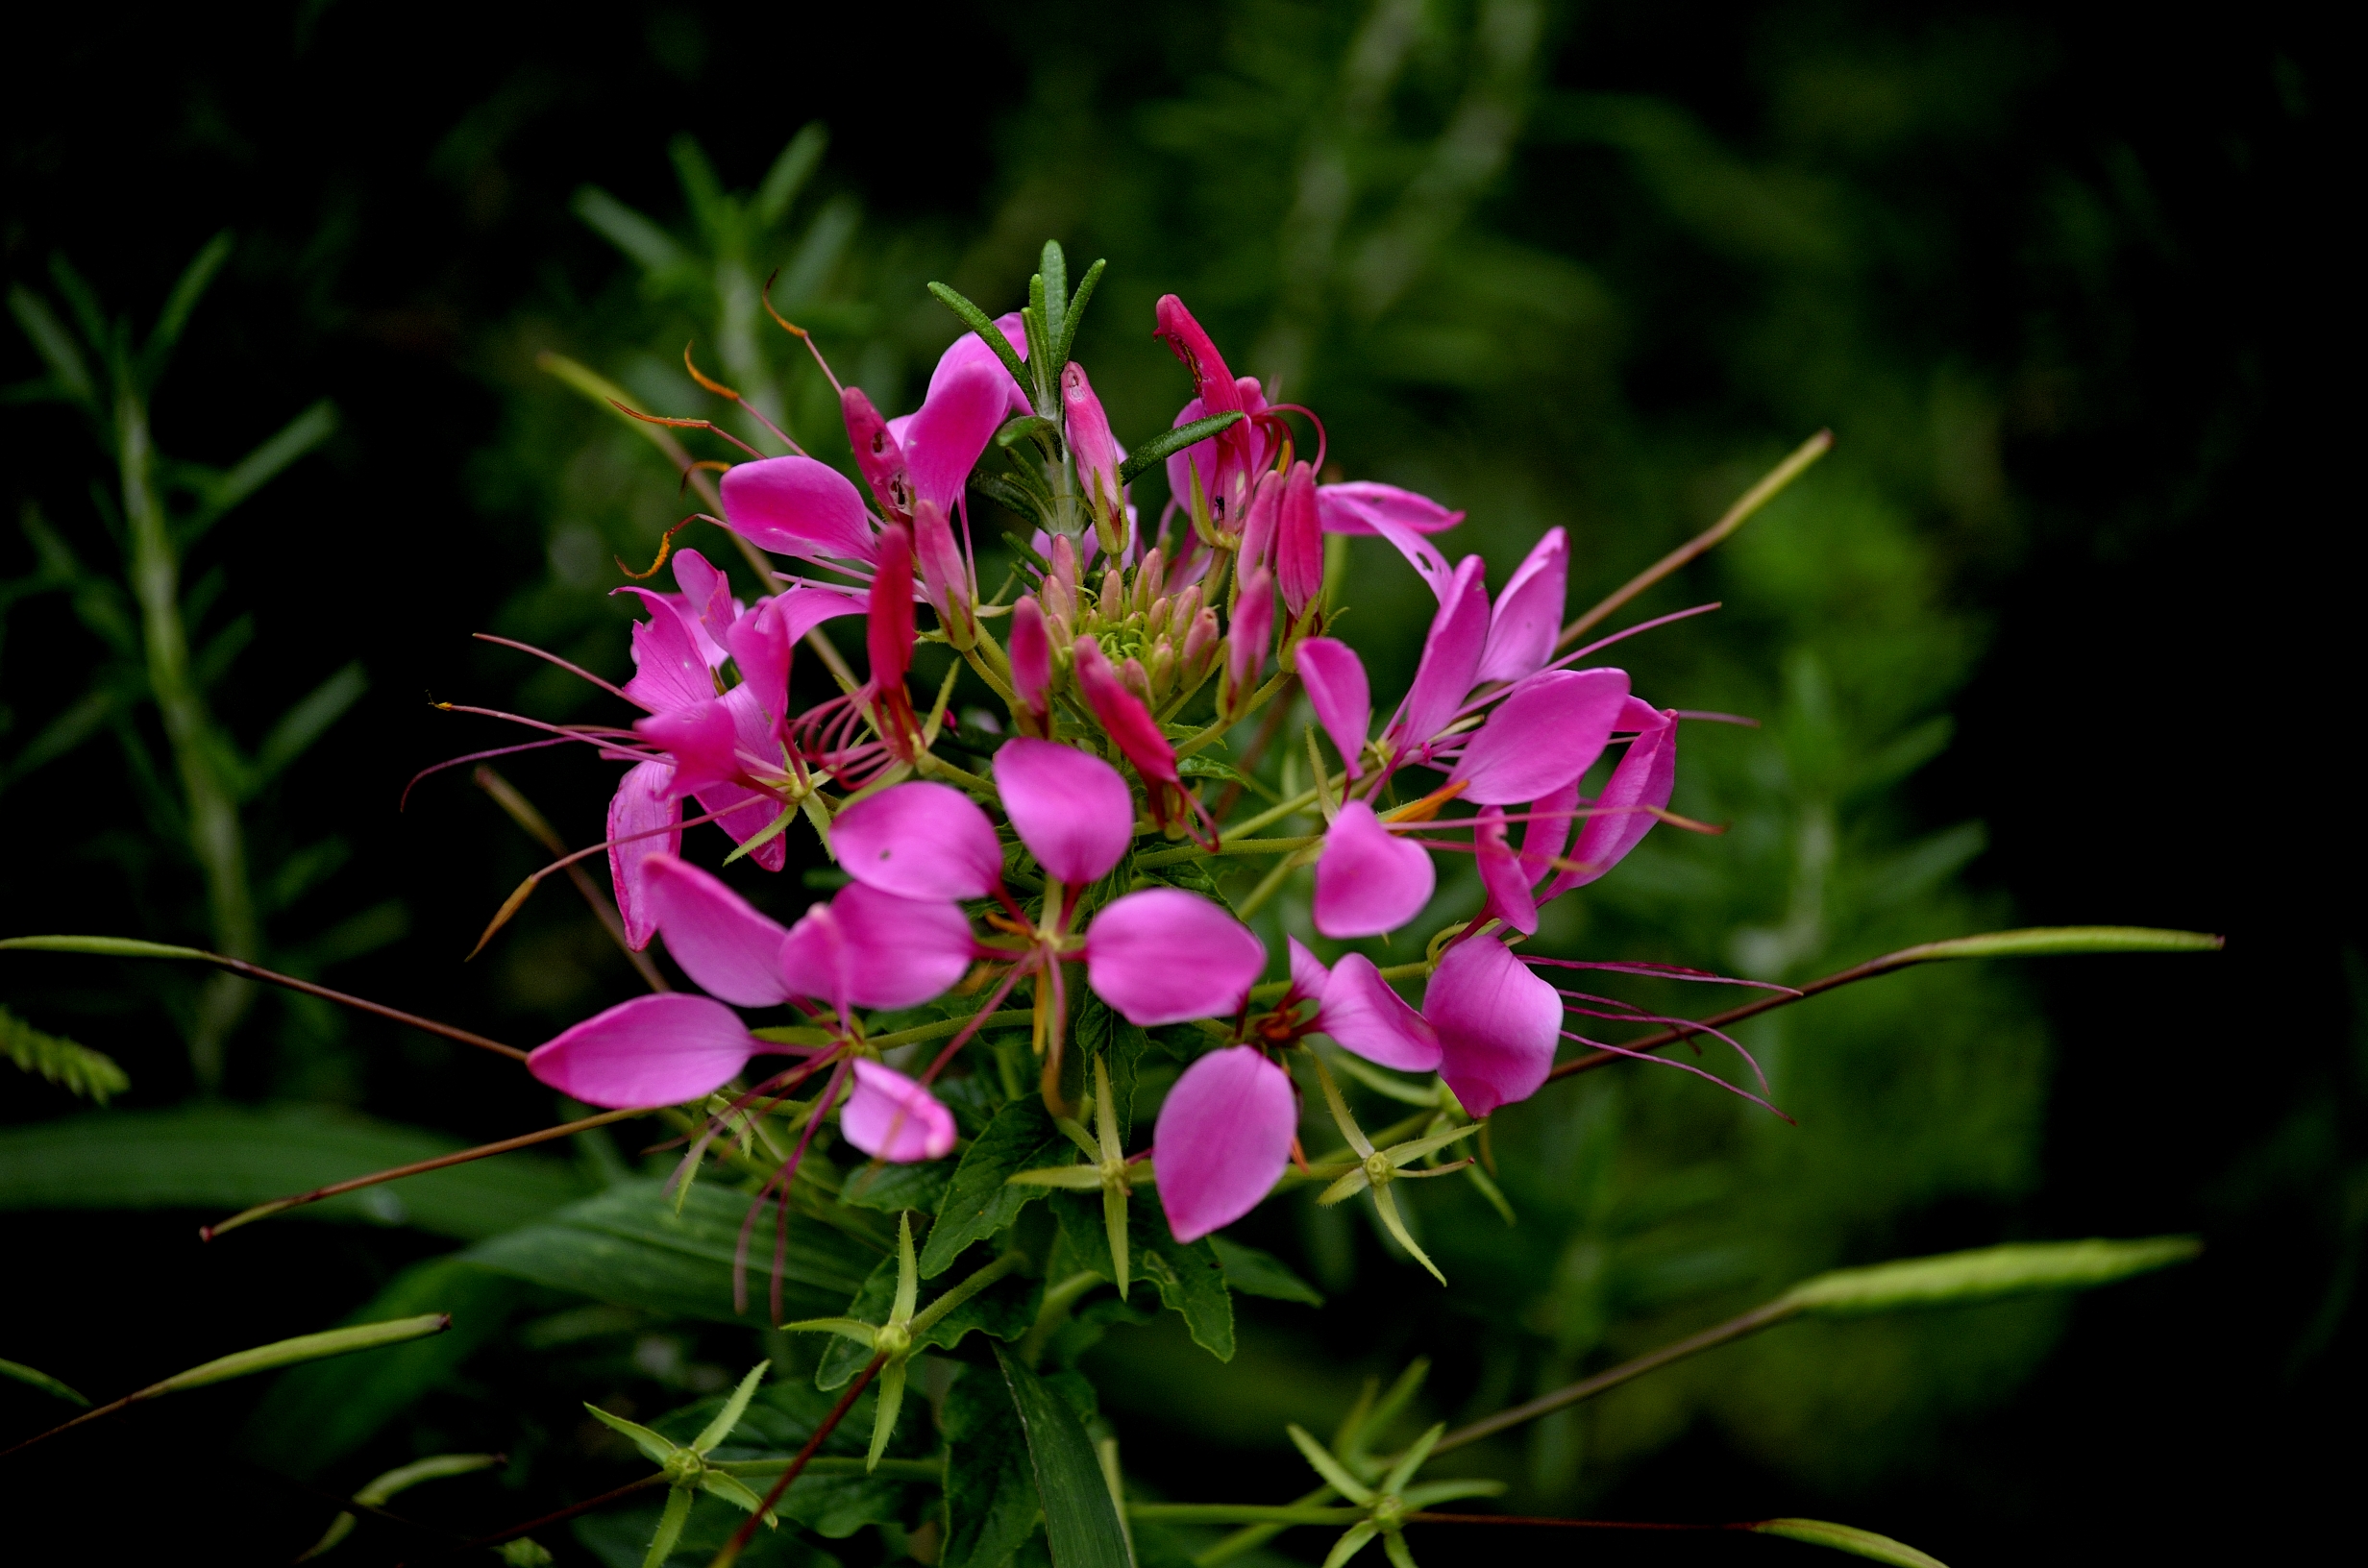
(1351,1542)
(1859,1543)
(862,1333)
(732,1490)
(735,1408)
(1321,1460)
(656,1449)
(669,1526)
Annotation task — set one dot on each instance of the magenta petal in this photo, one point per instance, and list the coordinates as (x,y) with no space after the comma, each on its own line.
(743,813)
(1031,656)
(1547,731)
(1529,612)
(919,840)
(1087,427)
(1498,1025)
(1644,778)
(1551,818)
(1223,1141)
(891,1117)
(653,1050)
(1299,542)
(797,506)
(1363,1015)
(1368,880)
(670,669)
(899,953)
(763,645)
(953,427)
(1163,956)
(727,947)
(1502,874)
(645,800)
(702,740)
(1450,657)
(1071,808)
(1307,971)
(1252,629)
(966,351)
(1355,506)
(1343,701)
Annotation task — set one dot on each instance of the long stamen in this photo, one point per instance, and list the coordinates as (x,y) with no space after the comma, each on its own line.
(755,413)
(474,756)
(548,657)
(708,424)
(1682,1067)
(799,333)
(525,890)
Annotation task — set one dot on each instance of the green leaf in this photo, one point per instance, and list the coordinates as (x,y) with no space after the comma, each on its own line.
(307,722)
(1262,1273)
(991,1502)
(1081,1522)
(1859,1543)
(629,1246)
(1000,489)
(229,1158)
(195,278)
(980,1201)
(55,345)
(1190,1279)
(789,174)
(991,335)
(1167,443)
(735,1408)
(1026,427)
(1074,312)
(76,1069)
(892,1189)
(260,467)
(1101,1031)
(1962,1278)
(640,239)
(315,1415)
(2045,941)
(1053,268)
(34,1377)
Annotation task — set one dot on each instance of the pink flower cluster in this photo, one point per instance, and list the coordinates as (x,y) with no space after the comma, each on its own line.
(1025,875)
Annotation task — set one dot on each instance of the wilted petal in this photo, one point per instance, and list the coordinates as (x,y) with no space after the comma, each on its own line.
(797,506)
(943,441)
(645,800)
(919,840)
(727,947)
(1362,1014)
(1498,1025)
(1547,731)
(945,582)
(899,953)
(891,1117)
(1163,956)
(1223,1139)
(1336,689)
(670,669)
(1368,880)
(1643,779)
(1450,657)
(1072,809)
(1529,612)
(1502,874)
(1356,505)
(653,1050)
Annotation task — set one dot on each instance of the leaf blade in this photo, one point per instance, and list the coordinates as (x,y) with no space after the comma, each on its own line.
(1081,1523)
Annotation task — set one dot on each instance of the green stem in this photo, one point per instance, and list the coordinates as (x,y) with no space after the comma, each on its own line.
(1267,886)
(1058,1300)
(1230,847)
(1240,1513)
(215,837)
(835,1464)
(929,1316)
(1251,1536)
(1216,731)
(949,1026)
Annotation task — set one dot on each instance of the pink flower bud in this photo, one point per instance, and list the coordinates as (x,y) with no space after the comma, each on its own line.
(943,580)
(1135,679)
(1259,524)
(1212,382)
(1200,644)
(1064,557)
(1031,658)
(1112,599)
(1149,579)
(1125,716)
(890,632)
(1245,647)
(878,455)
(1096,450)
(1299,541)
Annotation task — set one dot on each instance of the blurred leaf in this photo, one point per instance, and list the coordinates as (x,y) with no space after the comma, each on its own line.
(789,174)
(76,1069)
(316,1415)
(307,722)
(640,239)
(991,1504)
(228,1158)
(1859,1543)
(980,1202)
(1988,1274)
(260,467)
(892,1187)
(2045,941)
(1081,1523)
(1262,1273)
(55,345)
(195,278)
(629,1246)
(33,1376)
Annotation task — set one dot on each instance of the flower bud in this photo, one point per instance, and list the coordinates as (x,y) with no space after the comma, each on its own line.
(1155,619)
(1299,542)
(1150,580)
(1135,679)
(1200,645)
(1162,669)
(1112,601)
(943,582)
(1064,558)
(1187,607)
(1031,665)
(1258,528)
(1245,646)
(878,455)
(1097,455)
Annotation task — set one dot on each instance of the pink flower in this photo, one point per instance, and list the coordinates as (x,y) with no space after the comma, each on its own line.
(919,840)
(1498,1025)
(653,1050)
(1529,612)
(1640,785)
(1368,880)
(891,1117)
(1071,808)
(1357,1008)
(1223,1139)
(1336,689)
(1544,734)
(1163,955)
(1357,505)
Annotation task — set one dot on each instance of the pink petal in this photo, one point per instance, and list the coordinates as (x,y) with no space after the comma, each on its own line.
(1336,687)
(1645,777)
(1355,506)
(653,1050)
(1546,732)
(807,605)
(1072,809)
(1122,714)
(966,351)
(1498,1025)
(745,814)
(899,953)
(1307,971)
(1211,382)
(1450,658)
(1252,629)
(1501,876)
(1425,557)
(797,506)
(1362,1014)
(1223,1139)
(889,630)
(945,582)
(953,427)
(763,645)
(703,741)
(645,800)
(891,1117)
(1163,955)
(1367,879)
(879,457)
(1551,818)
(1259,524)
(1299,542)
(670,669)
(1529,612)
(727,947)
(1031,656)
(919,840)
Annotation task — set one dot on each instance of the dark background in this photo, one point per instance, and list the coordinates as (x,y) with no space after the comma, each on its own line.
(2153,733)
